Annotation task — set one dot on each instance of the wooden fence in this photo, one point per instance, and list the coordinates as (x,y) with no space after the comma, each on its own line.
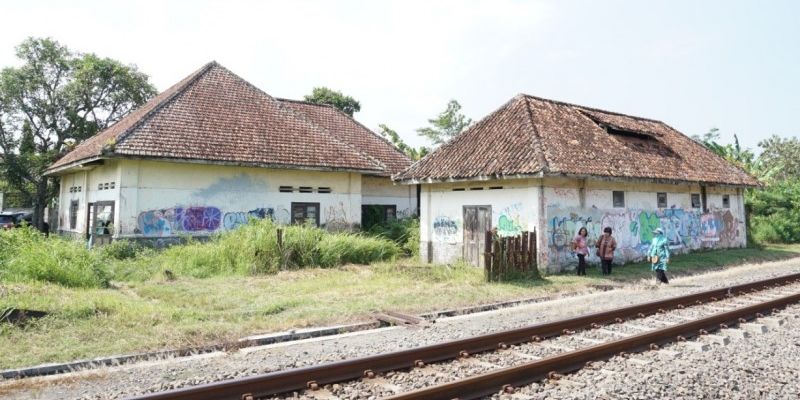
(511,256)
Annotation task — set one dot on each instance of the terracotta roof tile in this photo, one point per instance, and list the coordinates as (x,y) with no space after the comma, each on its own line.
(352,132)
(531,135)
(215,116)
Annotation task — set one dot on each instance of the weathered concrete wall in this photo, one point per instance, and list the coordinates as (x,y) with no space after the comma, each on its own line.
(687,228)
(514,209)
(86,187)
(569,204)
(381,190)
(160,199)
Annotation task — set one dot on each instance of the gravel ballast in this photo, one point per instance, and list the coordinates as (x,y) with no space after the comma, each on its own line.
(123,381)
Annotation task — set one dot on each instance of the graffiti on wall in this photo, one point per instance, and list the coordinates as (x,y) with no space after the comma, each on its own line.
(445,229)
(633,230)
(199,219)
(233,220)
(509,222)
(336,218)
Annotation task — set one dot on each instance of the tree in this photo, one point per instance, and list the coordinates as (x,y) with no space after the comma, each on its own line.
(323,95)
(446,125)
(732,152)
(391,135)
(58,96)
(781,157)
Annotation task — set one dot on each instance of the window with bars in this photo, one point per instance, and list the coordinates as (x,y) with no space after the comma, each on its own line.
(726,201)
(661,199)
(618,198)
(696,201)
(73,214)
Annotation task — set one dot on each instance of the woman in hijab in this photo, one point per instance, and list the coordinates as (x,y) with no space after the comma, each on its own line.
(659,255)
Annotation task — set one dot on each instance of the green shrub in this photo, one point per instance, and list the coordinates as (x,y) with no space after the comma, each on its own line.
(27,255)
(404,232)
(775,216)
(121,249)
(253,249)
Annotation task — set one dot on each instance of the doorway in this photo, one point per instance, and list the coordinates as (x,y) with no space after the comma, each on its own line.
(477,220)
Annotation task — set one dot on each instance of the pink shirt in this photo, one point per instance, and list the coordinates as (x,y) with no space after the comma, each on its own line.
(581,245)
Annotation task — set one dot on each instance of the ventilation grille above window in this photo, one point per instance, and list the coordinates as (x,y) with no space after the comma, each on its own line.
(286,189)
(323,190)
(306,189)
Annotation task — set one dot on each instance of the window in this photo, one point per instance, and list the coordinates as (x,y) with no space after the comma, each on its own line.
(618,198)
(323,190)
(306,189)
(302,212)
(286,189)
(374,214)
(726,201)
(73,214)
(704,198)
(696,200)
(661,198)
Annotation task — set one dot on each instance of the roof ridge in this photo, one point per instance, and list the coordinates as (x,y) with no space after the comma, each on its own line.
(450,141)
(304,118)
(564,103)
(180,88)
(311,103)
(537,138)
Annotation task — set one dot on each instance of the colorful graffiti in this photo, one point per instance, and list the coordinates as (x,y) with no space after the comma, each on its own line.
(170,221)
(509,221)
(233,220)
(445,229)
(200,219)
(633,230)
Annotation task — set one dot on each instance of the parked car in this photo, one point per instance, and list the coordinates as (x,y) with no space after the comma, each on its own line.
(14,219)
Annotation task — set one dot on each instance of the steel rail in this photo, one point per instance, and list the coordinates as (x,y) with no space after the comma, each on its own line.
(493,382)
(301,378)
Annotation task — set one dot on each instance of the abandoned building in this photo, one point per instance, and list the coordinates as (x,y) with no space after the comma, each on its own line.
(553,167)
(212,152)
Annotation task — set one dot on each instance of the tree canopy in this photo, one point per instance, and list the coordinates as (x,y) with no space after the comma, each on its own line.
(392,136)
(446,125)
(324,95)
(56,97)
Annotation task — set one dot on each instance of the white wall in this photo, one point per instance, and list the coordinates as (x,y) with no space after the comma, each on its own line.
(382,191)
(514,209)
(161,199)
(687,228)
(87,181)
(569,204)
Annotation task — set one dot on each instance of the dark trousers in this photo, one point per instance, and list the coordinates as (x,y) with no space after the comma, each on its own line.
(606,265)
(581,264)
(661,275)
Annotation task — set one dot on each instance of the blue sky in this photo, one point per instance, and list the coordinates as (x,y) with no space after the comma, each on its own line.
(694,65)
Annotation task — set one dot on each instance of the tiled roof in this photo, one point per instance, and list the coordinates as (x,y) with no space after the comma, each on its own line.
(352,132)
(530,135)
(214,116)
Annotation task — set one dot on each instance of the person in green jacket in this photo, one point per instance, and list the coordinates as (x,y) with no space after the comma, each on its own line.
(659,255)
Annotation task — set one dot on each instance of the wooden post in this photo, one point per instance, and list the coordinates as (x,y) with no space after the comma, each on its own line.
(487,256)
(535,249)
(280,248)
(497,260)
(525,248)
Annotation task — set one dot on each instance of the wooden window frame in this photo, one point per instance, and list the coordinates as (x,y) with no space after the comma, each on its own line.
(659,203)
(696,205)
(614,194)
(726,201)
(305,205)
(74,207)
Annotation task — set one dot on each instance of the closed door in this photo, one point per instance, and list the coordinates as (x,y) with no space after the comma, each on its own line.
(477,220)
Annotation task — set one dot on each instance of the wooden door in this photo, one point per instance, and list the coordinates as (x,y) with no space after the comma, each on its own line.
(477,220)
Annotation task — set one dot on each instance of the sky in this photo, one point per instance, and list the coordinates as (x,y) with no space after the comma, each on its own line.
(695,65)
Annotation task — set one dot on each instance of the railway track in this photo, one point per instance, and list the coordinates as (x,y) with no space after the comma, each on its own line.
(500,362)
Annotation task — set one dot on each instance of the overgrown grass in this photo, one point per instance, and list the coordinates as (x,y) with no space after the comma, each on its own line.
(253,249)
(404,232)
(28,256)
(159,313)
